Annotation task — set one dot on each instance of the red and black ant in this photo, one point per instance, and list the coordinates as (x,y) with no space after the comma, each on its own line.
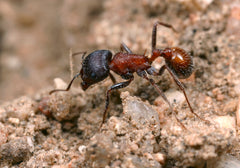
(97,65)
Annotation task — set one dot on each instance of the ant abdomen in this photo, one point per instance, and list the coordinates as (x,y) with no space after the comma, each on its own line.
(179,61)
(95,67)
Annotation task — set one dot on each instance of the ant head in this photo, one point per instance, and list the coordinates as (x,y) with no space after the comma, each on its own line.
(95,67)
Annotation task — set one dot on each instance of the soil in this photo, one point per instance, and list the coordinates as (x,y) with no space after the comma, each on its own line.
(62,129)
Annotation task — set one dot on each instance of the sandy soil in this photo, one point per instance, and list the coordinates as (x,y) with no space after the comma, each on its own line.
(62,129)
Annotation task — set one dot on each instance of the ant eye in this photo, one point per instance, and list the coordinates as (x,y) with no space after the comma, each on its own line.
(93,75)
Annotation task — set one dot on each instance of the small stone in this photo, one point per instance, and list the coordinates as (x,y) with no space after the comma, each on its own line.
(175,96)
(14,121)
(216,91)
(119,127)
(134,147)
(160,158)
(82,149)
(220,97)
(148,156)
(230,107)
(225,122)
(30,143)
(194,140)
(140,113)
(60,103)
(59,83)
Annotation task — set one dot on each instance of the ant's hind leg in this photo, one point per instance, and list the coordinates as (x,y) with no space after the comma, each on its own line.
(125,47)
(114,87)
(154,32)
(153,71)
(143,74)
(180,85)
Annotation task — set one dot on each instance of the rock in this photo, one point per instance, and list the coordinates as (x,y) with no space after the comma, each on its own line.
(225,122)
(198,145)
(141,114)
(61,103)
(14,151)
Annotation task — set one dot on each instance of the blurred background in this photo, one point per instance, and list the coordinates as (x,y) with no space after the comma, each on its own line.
(35,36)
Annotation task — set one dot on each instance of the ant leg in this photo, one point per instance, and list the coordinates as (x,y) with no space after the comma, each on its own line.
(113,87)
(161,70)
(144,75)
(153,71)
(69,85)
(154,32)
(125,47)
(112,78)
(180,85)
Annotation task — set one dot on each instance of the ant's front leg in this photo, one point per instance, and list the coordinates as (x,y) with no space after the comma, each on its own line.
(112,78)
(123,46)
(114,87)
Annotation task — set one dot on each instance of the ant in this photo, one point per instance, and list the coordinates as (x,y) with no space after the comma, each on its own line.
(97,65)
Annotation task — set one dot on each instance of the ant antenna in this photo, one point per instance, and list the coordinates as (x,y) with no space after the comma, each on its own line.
(69,85)
(73,78)
(145,51)
(78,53)
(71,62)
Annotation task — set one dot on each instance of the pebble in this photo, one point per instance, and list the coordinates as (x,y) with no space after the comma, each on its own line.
(82,149)
(14,151)
(225,122)
(160,158)
(14,121)
(140,113)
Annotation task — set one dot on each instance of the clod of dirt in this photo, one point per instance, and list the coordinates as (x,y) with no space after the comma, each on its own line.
(21,108)
(14,151)
(62,103)
(45,159)
(199,144)
(140,114)
(129,140)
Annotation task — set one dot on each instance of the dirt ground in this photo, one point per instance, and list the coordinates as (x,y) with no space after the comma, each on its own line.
(62,130)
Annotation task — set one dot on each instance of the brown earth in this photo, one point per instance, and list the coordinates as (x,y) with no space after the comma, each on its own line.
(62,129)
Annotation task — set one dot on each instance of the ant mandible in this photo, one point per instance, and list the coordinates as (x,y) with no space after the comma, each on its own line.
(97,65)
